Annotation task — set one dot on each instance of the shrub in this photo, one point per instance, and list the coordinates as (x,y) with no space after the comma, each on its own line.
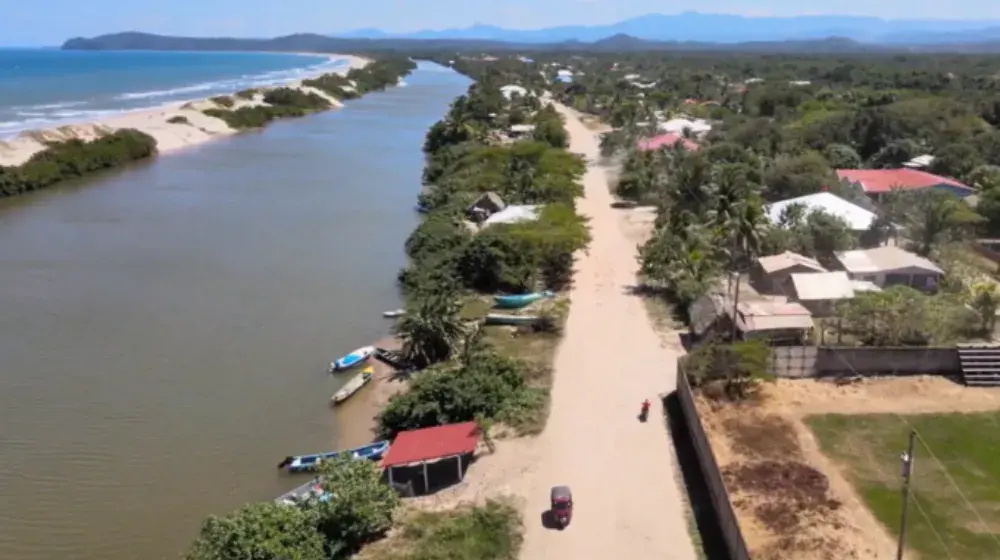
(222,101)
(358,509)
(247,94)
(334,84)
(295,98)
(75,158)
(178,119)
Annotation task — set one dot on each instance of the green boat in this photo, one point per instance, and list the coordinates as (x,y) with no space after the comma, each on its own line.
(501,319)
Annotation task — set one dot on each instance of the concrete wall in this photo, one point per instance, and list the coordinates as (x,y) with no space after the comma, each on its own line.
(823,361)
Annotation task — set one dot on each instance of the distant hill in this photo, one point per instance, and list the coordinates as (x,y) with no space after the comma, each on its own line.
(722,28)
(614,43)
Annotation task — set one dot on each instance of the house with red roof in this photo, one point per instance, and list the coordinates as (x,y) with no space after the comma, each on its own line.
(431,457)
(877,182)
(668,140)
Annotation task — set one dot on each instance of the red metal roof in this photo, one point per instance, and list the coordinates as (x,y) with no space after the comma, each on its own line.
(666,140)
(415,446)
(885,180)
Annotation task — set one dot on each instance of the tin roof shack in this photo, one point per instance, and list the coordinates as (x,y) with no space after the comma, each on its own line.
(771,274)
(517,131)
(429,459)
(891,266)
(486,205)
(774,322)
(819,292)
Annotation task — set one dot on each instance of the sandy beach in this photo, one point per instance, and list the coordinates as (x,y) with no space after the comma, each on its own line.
(198,129)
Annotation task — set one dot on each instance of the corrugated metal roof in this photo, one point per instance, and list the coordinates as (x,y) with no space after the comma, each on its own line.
(885,180)
(820,286)
(786,260)
(856,217)
(768,316)
(666,140)
(884,259)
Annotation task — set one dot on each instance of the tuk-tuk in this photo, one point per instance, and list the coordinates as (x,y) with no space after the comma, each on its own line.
(562,505)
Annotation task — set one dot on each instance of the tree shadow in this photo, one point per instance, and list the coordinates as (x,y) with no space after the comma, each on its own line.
(700,499)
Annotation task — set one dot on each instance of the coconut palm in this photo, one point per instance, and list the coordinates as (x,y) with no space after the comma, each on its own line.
(430,330)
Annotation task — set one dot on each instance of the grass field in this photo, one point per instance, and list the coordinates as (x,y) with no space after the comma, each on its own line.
(869,448)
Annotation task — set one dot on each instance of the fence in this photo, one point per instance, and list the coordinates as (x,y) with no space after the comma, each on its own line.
(726,517)
(823,361)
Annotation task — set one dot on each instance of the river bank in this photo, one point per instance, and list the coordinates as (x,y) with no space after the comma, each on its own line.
(173,125)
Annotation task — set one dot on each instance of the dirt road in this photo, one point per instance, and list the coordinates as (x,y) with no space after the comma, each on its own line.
(628,503)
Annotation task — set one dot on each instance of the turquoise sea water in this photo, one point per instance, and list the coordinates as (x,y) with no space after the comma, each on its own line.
(41,88)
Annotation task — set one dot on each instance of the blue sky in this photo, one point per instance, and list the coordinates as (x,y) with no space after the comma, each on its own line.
(49,22)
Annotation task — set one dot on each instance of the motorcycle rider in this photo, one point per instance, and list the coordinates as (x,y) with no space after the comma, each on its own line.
(645,407)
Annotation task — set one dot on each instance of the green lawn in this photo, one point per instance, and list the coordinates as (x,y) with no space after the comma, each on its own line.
(966,444)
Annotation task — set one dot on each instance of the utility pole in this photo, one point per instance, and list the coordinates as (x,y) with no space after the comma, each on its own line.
(736,302)
(906,464)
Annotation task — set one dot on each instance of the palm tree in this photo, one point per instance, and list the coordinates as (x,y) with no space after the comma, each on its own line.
(430,330)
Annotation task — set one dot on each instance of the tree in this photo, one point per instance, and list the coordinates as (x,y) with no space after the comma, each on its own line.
(986,302)
(793,176)
(956,160)
(357,508)
(931,217)
(430,329)
(814,234)
(841,156)
(741,366)
(262,531)
(686,262)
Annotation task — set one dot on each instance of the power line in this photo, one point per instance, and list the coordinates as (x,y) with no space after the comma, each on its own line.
(937,535)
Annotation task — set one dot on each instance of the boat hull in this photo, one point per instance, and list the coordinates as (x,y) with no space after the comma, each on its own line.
(352,359)
(518,301)
(309,463)
(353,386)
(499,319)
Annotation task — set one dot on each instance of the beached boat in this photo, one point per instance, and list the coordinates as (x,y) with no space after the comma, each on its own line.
(355,358)
(301,494)
(517,301)
(394,313)
(306,463)
(500,319)
(353,386)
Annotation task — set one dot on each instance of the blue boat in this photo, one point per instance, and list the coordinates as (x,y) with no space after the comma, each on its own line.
(517,301)
(307,463)
(348,361)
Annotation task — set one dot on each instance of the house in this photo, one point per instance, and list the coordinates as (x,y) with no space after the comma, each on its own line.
(521,130)
(770,275)
(819,292)
(509,91)
(679,125)
(513,215)
(856,217)
(877,182)
(775,322)
(890,266)
(920,162)
(488,204)
(668,140)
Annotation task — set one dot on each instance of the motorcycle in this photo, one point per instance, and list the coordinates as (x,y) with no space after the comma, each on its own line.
(644,412)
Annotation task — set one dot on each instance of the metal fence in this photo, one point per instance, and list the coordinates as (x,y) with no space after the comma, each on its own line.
(726,517)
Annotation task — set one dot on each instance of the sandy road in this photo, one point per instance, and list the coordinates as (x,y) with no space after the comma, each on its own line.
(628,503)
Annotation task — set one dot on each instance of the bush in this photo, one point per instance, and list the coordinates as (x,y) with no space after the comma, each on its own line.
(296,98)
(223,101)
(359,507)
(263,531)
(247,94)
(75,158)
(178,119)
(489,385)
(334,84)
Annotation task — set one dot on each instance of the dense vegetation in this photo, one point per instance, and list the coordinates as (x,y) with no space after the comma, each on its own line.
(75,158)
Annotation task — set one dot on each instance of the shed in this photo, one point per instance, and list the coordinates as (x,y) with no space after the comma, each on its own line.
(773,321)
(771,274)
(819,292)
(421,451)
(668,140)
(891,266)
(486,205)
(519,130)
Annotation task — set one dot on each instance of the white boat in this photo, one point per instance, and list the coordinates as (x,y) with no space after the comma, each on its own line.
(355,358)
(353,386)
(394,313)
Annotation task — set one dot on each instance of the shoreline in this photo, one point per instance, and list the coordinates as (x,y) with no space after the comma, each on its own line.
(170,137)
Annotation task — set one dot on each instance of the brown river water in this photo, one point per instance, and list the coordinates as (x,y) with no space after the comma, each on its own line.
(165,330)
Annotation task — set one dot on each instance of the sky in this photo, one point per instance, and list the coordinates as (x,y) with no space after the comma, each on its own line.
(50,22)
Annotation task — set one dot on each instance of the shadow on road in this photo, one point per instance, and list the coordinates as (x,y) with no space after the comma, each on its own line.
(694,483)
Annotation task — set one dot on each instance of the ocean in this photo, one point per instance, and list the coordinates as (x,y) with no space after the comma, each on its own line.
(42,88)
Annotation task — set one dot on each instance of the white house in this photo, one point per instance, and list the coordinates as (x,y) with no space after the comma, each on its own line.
(858,218)
(509,91)
(679,125)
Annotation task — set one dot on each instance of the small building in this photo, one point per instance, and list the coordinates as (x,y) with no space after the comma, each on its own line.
(431,457)
(514,214)
(770,275)
(819,292)
(920,162)
(512,90)
(521,130)
(877,182)
(486,205)
(891,266)
(668,140)
(856,217)
(679,125)
(775,322)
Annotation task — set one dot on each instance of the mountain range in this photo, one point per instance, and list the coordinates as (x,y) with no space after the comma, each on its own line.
(723,28)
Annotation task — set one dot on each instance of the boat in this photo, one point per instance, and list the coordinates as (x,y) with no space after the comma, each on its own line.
(356,357)
(301,494)
(353,386)
(306,463)
(394,313)
(517,301)
(501,319)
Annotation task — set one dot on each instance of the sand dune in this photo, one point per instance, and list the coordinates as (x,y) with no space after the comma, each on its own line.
(199,127)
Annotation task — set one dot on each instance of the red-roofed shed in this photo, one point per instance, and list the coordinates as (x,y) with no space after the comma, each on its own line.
(427,446)
(877,182)
(668,140)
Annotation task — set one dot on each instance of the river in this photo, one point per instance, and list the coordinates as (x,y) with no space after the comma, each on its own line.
(165,330)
